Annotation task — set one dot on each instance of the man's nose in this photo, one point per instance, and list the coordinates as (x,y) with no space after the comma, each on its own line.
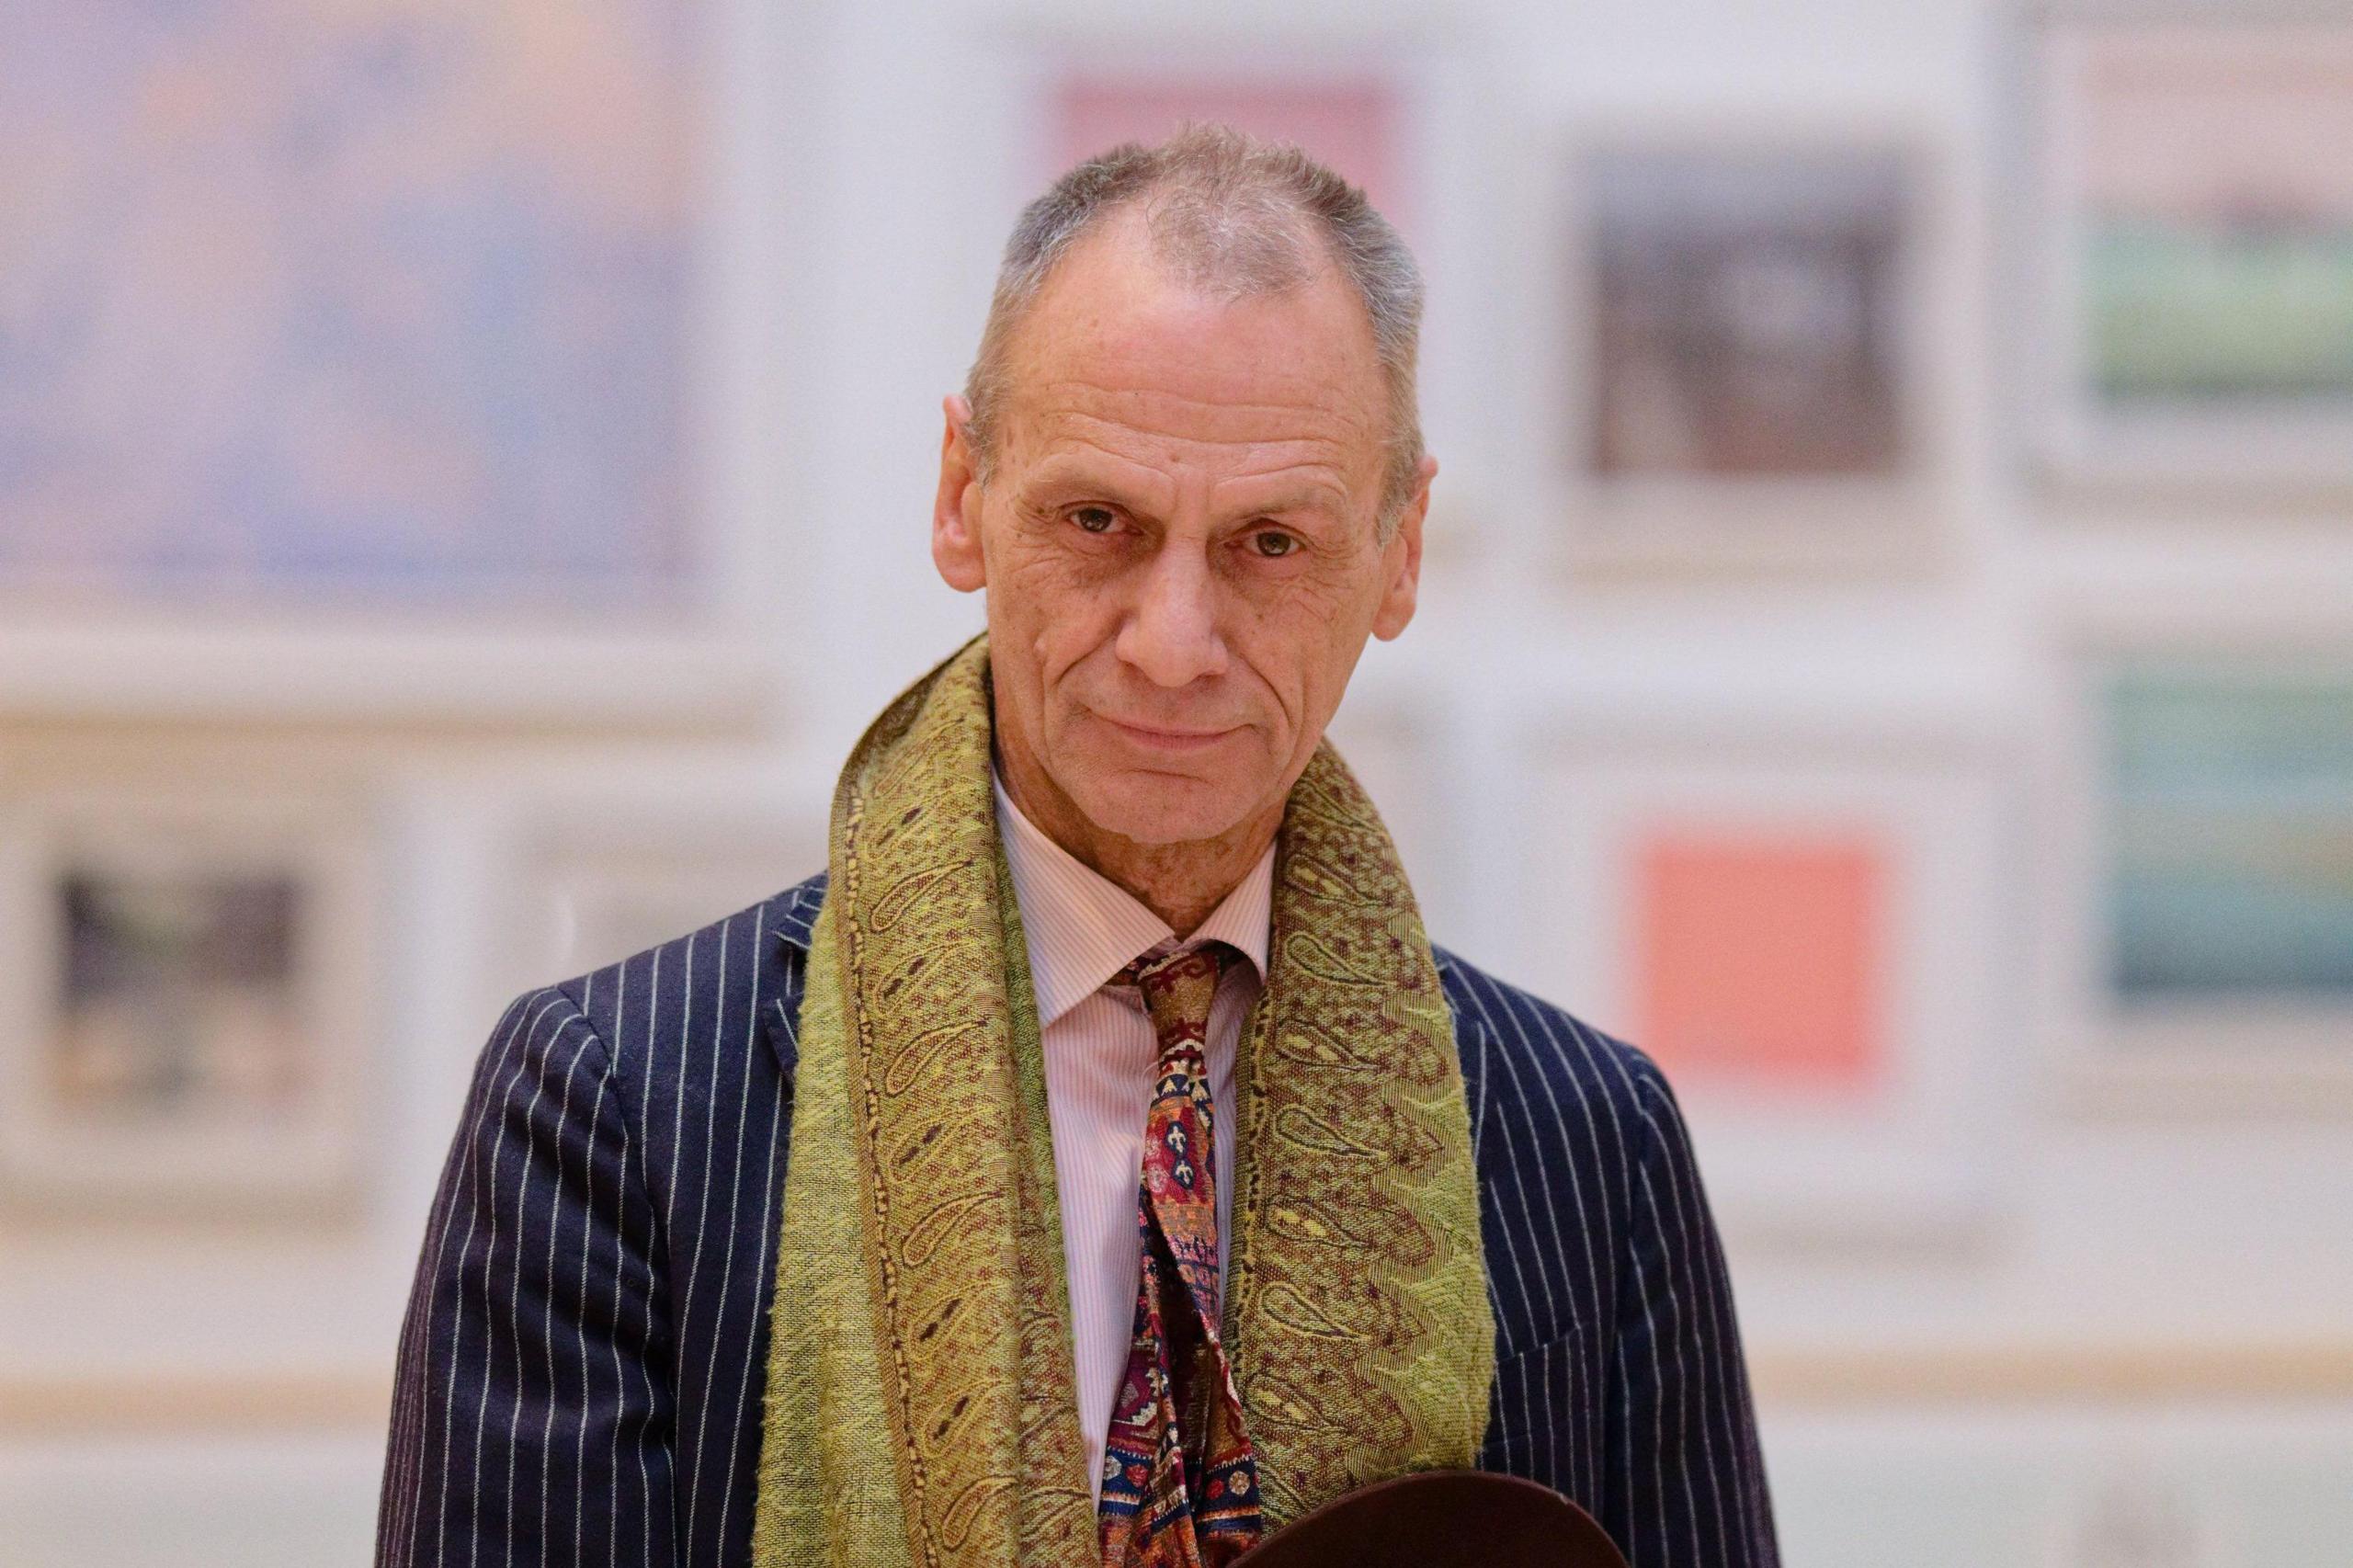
(1172,633)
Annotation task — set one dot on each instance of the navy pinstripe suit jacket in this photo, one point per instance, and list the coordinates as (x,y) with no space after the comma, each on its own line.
(584,1355)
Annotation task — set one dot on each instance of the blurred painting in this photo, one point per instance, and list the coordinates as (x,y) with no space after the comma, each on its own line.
(184,985)
(1749,313)
(2231,837)
(383,302)
(2213,198)
(1350,122)
(180,999)
(1760,956)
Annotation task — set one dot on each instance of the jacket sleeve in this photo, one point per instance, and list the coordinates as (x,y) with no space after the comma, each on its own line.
(1686,1477)
(531,1405)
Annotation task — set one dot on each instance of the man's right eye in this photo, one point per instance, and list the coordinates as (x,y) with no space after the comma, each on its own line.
(1094,519)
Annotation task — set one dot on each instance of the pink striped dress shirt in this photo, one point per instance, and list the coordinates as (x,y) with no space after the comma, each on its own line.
(1081,929)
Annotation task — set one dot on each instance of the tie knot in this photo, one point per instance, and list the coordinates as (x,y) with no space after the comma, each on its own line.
(1177,989)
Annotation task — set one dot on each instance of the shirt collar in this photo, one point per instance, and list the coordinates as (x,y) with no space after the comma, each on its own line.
(1082,928)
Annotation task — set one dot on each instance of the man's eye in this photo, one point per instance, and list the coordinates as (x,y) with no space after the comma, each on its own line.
(1274,544)
(1094,519)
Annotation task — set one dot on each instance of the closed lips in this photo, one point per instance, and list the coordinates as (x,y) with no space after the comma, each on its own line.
(1160,733)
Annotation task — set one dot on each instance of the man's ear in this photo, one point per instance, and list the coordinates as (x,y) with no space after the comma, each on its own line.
(1402,558)
(956,510)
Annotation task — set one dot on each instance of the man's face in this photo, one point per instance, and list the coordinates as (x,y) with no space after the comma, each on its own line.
(1179,541)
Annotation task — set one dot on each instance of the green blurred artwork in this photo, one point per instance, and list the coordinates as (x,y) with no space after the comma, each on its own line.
(2210,189)
(2181,314)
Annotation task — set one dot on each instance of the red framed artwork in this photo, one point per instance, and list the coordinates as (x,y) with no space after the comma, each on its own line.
(1759,958)
(1808,938)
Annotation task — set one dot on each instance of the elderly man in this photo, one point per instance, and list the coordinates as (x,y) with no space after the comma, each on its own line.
(1097,1163)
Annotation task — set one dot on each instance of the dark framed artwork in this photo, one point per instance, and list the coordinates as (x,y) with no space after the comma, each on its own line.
(1750,314)
(1753,332)
(188,985)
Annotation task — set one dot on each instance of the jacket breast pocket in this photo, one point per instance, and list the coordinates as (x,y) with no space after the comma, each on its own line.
(1542,1418)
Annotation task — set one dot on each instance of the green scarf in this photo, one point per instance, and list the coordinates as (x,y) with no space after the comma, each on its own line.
(921,1403)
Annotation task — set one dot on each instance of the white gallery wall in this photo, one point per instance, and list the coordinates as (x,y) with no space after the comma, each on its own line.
(2048,1296)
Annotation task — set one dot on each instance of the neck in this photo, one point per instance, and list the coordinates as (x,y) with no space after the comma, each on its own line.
(1182,883)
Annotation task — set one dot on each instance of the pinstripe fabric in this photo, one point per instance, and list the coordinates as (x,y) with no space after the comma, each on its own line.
(580,1368)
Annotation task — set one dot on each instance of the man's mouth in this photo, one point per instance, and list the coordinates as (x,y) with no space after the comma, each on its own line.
(1166,738)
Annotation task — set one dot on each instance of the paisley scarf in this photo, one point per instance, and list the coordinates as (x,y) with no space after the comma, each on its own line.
(922,1406)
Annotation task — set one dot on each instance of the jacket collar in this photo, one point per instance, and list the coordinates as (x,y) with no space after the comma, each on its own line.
(796,908)
(792,917)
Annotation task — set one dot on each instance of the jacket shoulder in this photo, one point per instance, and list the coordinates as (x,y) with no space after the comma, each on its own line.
(1521,1036)
(1576,1137)
(671,996)
(1555,1101)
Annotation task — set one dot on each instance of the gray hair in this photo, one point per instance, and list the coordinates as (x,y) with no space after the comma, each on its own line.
(1229,215)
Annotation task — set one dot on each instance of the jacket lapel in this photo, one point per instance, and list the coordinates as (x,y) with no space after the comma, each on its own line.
(793,915)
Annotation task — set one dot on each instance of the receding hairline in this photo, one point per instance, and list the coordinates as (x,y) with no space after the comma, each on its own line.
(1125,229)
(1229,217)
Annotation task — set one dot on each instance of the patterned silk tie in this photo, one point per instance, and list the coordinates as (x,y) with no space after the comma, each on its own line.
(1180,1485)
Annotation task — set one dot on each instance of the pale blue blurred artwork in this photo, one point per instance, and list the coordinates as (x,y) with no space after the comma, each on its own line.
(383,302)
(2231,835)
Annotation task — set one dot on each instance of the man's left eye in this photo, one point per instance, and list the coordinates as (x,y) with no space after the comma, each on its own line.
(1274,544)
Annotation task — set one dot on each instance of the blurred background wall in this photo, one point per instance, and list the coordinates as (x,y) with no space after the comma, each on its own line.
(1887,648)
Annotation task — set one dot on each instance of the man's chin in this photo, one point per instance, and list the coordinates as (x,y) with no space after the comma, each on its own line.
(1164,807)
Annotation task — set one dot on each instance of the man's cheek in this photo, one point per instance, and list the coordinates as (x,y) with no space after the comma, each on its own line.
(1054,590)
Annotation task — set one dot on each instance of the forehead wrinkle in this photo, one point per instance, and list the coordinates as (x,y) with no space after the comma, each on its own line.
(1301,487)
(1118,439)
(1304,478)
(1133,375)
(1154,471)
(1070,394)
(1119,365)
(1277,425)
(1105,317)
(1085,470)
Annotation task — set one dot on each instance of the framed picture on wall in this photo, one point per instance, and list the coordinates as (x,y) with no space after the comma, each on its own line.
(602,870)
(1750,342)
(1351,119)
(1808,941)
(186,984)
(387,334)
(2192,241)
(2205,948)
(1352,103)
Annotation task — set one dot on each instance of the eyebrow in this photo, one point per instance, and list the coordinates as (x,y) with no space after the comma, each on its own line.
(1065,473)
(1068,474)
(1305,498)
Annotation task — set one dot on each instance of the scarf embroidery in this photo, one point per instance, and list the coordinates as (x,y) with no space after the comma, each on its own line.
(921,1403)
